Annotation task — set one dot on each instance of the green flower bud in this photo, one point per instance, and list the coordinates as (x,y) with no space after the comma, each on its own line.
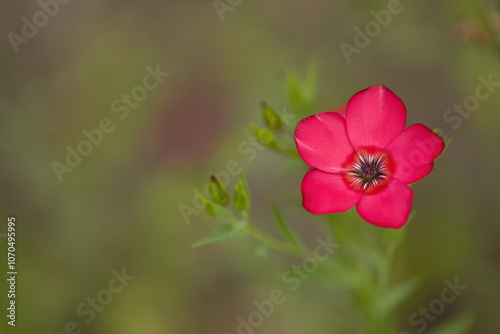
(272,118)
(242,200)
(265,136)
(218,192)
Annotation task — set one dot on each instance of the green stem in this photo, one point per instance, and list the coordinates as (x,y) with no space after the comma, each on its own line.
(272,242)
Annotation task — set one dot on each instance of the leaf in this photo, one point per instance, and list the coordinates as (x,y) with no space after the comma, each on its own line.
(301,94)
(285,228)
(461,324)
(223,233)
(309,88)
(293,90)
(388,302)
(447,142)
(337,275)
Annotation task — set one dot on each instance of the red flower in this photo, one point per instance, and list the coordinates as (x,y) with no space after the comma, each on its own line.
(364,156)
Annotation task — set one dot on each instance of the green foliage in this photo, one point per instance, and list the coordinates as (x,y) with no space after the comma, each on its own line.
(223,233)
(389,302)
(461,324)
(285,228)
(301,94)
(363,267)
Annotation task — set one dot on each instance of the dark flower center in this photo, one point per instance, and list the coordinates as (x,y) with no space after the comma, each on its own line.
(368,170)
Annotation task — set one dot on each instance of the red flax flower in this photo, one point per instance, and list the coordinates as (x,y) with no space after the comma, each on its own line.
(362,155)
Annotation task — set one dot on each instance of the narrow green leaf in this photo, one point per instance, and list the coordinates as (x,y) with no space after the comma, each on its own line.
(309,88)
(448,141)
(293,90)
(461,324)
(398,294)
(285,228)
(301,93)
(338,275)
(412,215)
(225,232)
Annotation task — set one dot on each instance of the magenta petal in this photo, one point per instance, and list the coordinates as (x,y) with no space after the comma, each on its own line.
(327,193)
(322,141)
(414,152)
(388,208)
(374,117)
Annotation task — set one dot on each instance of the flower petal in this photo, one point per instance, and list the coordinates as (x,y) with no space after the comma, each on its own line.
(374,117)
(322,141)
(388,208)
(414,152)
(327,193)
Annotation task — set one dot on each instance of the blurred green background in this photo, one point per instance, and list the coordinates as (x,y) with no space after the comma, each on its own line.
(119,207)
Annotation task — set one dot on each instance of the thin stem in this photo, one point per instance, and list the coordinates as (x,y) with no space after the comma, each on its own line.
(272,242)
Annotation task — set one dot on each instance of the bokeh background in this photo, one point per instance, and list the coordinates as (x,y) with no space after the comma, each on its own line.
(120,206)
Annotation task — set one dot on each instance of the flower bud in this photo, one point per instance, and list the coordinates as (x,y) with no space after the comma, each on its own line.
(242,200)
(218,192)
(272,118)
(265,136)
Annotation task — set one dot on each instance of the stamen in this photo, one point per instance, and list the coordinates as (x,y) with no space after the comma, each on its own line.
(368,170)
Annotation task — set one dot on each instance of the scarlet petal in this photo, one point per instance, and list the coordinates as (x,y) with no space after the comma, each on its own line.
(327,193)
(322,141)
(414,152)
(375,117)
(388,208)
